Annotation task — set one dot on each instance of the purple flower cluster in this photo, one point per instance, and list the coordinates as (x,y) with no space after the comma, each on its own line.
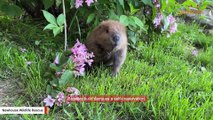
(156,4)
(171,19)
(79,3)
(172,25)
(61,98)
(157,20)
(159,16)
(73,90)
(80,58)
(49,101)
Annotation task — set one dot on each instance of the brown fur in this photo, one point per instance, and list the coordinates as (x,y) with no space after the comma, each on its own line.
(102,43)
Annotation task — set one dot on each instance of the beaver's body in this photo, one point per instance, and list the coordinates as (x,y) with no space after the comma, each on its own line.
(108,42)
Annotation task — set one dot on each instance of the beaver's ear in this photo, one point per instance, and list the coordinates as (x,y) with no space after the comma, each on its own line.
(104,28)
(107,29)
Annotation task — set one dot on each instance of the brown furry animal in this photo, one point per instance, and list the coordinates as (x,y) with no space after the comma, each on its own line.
(108,42)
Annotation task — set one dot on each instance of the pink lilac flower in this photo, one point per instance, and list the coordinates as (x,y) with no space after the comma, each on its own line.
(89,2)
(173,28)
(195,52)
(79,70)
(23,49)
(73,90)
(69,89)
(158,19)
(78,3)
(59,99)
(80,57)
(56,61)
(49,101)
(158,5)
(88,60)
(171,19)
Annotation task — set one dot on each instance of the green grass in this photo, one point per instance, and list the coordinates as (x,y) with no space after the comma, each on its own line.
(174,80)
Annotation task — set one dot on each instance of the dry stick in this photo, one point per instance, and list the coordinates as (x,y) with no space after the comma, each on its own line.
(65,27)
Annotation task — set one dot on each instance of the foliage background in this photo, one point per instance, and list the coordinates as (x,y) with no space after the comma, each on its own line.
(177,83)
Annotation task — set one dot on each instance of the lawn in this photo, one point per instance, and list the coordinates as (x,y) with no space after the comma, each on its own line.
(175,73)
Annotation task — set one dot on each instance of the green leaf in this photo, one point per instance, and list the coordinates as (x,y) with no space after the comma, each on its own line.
(124,19)
(90,18)
(205,4)
(10,9)
(54,82)
(113,16)
(119,9)
(50,27)
(166,24)
(132,22)
(132,37)
(65,78)
(49,89)
(58,2)
(37,42)
(62,28)
(147,2)
(164,5)
(48,3)
(49,17)
(189,3)
(132,9)
(72,3)
(60,19)
(54,67)
(122,3)
(138,22)
(56,31)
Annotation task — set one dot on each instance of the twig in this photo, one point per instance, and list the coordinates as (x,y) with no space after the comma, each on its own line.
(65,27)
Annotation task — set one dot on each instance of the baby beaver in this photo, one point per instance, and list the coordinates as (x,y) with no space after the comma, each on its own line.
(108,42)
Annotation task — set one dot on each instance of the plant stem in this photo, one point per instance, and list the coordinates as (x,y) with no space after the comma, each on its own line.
(72,20)
(79,29)
(65,27)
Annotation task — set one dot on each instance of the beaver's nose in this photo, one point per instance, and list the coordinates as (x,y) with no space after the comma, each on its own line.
(116,38)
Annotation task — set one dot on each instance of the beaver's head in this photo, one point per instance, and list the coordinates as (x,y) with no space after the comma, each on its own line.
(111,34)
